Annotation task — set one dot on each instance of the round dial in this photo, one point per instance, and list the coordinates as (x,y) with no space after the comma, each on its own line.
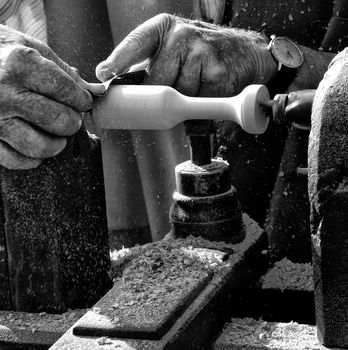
(286,52)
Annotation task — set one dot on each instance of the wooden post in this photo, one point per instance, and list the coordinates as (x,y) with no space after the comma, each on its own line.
(5,301)
(54,216)
(328,193)
(209,10)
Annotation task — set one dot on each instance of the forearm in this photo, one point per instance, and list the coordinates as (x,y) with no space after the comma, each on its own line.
(309,75)
(251,49)
(312,70)
(201,59)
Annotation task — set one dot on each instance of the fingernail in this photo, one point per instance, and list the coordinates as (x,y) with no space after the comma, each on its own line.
(96,89)
(79,124)
(104,72)
(89,101)
(107,73)
(101,89)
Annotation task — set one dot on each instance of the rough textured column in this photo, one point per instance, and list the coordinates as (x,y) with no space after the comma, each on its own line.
(288,224)
(56,235)
(328,192)
(5,302)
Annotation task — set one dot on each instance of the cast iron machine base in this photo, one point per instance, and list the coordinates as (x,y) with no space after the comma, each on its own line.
(205,203)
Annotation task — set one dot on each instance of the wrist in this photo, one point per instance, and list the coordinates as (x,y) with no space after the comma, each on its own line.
(267,66)
(288,57)
(313,69)
(255,63)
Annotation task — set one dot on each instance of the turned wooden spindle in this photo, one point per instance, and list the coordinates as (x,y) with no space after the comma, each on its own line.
(150,107)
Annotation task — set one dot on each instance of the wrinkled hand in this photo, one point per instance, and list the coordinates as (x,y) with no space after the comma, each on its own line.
(40,99)
(196,58)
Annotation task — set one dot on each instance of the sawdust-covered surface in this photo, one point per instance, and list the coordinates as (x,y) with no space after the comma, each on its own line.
(35,328)
(251,334)
(286,275)
(40,321)
(161,263)
(157,282)
(120,259)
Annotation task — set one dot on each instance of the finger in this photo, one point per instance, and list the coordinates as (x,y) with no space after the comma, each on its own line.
(30,141)
(140,44)
(45,113)
(47,52)
(89,124)
(11,159)
(27,67)
(95,88)
(139,66)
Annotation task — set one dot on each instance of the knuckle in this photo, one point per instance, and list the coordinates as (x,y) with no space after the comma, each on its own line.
(70,92)
(20,53)
(163,23)
(23,100)
(182,31)
(6,125)
(7,97)
(40,46)
(55,117)
(88,101)
(184,35)
(15,60)
(176,38)
(46,52)
(164,18)
(80,99)
(216,73)
(74,74)
(199,48)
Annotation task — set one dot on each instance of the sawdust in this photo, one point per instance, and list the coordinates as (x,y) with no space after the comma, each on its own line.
(133,268)
(286,275)
(254,334)
(120,259)
(158,278)
(58,323)
(189,167)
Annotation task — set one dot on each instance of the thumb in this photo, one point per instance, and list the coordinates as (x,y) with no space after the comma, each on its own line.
(140,44)
(95,89)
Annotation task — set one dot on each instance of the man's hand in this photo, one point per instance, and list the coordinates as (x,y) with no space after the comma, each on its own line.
(201,59)
(40,100)
(196,58)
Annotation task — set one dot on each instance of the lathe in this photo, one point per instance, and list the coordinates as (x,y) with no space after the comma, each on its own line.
(205,209)
(205,202)
(204,205)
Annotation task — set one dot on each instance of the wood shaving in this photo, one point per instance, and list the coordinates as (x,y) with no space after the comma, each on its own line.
(286,275)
